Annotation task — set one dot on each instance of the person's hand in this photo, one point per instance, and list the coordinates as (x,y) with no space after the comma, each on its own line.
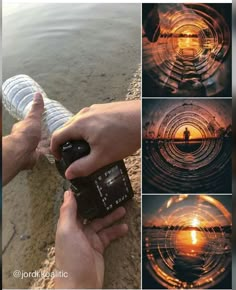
(80,248)
(112,131)
(28,132)
(20,147)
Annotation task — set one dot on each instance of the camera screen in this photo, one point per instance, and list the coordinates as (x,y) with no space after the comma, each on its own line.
(112,186)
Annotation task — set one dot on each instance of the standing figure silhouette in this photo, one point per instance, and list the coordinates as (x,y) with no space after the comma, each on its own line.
(186,135)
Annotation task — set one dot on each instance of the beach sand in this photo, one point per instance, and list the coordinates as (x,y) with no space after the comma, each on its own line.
(30,213)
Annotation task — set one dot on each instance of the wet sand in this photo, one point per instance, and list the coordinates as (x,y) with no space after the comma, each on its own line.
(31,205)
(80,54)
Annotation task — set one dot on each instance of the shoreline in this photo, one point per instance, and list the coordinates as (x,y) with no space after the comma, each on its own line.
(30,213)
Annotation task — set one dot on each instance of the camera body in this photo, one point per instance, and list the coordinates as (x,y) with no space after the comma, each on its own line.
(102,191)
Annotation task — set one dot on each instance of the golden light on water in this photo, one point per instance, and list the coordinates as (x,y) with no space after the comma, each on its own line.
(190,242)
(188,46)
(189,245)
(188,42)
(194,237)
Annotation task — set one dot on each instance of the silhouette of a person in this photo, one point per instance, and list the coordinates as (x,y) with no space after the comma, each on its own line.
(186,135)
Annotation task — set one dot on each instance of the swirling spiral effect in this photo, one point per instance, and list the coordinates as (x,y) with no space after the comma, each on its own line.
(167,168)
(194,60)
(204,267)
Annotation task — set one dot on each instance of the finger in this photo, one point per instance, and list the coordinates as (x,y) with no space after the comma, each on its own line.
(37,107)
(68,211)
(112,233)
(61,136)
(85,166)
(101,223)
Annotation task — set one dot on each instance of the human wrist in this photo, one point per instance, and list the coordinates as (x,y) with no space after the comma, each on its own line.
(19,148)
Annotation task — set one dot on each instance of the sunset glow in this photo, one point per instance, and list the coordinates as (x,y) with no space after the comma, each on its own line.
(190,242)
(188,42)
(194,237)
(195,222)
(194,132)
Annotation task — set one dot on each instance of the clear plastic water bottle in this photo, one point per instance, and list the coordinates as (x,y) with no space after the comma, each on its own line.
(97,194)
(18,92)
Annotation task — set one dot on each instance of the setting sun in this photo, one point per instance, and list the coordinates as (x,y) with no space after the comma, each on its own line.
(189,242)
(195,222)
(194,132)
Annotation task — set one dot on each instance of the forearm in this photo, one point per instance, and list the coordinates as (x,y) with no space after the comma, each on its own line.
(13,157)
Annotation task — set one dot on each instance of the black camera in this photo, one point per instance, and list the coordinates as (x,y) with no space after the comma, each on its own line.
(102,191)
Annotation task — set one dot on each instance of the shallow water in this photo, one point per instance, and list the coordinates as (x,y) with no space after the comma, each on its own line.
(189,254)
(80,54)
(186,240)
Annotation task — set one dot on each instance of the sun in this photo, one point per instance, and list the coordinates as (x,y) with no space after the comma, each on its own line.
(195,222)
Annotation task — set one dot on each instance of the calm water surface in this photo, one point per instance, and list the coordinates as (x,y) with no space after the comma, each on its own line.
(80,54)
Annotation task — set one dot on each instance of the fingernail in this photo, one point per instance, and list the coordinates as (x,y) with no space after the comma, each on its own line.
(68,175)
(122,210)
(67,194)
(37,97)
(125,227)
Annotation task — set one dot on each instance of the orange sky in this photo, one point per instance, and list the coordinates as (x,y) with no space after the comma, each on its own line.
(194,133)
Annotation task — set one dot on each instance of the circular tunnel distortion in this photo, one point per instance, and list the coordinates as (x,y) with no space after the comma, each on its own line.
(187,243)
(186,50)
(189,151)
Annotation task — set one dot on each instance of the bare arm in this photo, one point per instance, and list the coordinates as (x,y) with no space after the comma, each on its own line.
(20,147)
(112,131)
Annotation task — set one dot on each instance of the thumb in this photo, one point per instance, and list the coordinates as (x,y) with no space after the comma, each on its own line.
(84,166)
(68,211)
(37,107)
